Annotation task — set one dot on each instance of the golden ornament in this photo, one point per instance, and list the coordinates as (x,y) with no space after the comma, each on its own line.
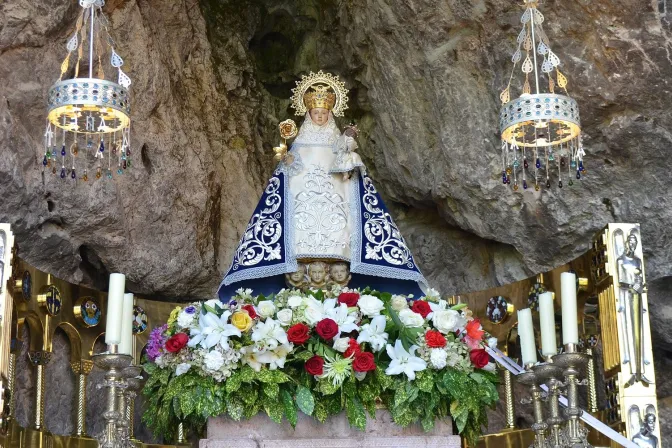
(320,96)
(288,129)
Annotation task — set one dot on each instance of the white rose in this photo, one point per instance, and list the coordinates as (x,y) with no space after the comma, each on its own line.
(341,344)
(399,303)
(285,316)
(492,343)
(213,360)
(438,358)
(181,369)
(446,320)
(184,320)
(370,305)
(294,301)
(266,309)
(312,315)
(410,318)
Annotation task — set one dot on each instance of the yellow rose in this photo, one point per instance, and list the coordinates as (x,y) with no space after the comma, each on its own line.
(241,320)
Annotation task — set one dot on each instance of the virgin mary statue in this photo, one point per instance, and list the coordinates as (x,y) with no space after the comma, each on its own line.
(320,220)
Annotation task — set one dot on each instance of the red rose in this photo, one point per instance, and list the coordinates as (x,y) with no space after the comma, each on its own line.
(479,358)
(421,307)
(349,298)
(363,362)
(177,342)
(474,330)
(250,310)
(298,334)
(315,365)
(435,339)
(353,348)
(327,328)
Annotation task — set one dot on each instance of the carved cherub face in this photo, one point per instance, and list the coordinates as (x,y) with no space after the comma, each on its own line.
(299,275)
(317,272)
(650,422)
(339,272)
(319,115)
(632,243)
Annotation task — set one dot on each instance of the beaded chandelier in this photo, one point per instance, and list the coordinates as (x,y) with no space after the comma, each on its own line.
(542,128)
(88,118)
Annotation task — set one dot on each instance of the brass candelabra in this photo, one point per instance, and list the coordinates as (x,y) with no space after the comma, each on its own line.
(560,371)
(573,364)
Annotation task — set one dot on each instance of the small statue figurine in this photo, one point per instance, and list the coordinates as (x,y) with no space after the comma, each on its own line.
(339,273)
(346,158)
(317,274)
(646,437)
(630,304)
(297,279)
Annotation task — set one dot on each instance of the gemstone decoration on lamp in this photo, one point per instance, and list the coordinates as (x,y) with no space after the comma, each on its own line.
(542,125)
(90,113)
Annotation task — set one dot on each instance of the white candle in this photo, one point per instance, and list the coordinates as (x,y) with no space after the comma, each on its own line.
(126,344)
(115,300)
(570,325)
(528,350)
(549,345)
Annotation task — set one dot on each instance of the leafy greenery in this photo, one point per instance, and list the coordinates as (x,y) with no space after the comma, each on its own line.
(433,395)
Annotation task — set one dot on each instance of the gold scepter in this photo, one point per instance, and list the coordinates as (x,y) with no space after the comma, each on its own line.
(287,130)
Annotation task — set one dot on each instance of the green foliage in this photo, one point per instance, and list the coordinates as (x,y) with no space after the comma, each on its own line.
(433,395)
(305,400)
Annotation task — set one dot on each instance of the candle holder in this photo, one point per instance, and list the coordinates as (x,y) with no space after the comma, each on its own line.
(113,364)
(534,380)
(552,375)
(124,424)
(573,364)
(134,386)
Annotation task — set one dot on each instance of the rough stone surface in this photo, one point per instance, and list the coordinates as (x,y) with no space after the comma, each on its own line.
(381,432)
(211,81)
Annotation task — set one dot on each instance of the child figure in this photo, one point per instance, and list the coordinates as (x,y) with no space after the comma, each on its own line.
(346,159)
(297,279)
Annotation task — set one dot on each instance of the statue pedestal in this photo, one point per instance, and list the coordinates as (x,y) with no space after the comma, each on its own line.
(261,432)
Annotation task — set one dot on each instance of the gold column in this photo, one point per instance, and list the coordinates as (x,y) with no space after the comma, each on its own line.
(82,369)
(508,399)
(11,384)
(39,359)
(592,383)
(180,433)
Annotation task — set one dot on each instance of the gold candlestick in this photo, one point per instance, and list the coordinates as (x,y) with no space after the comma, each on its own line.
(530,378)
(573,364)
(551,375)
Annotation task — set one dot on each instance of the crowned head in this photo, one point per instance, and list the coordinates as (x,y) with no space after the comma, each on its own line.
(320,91)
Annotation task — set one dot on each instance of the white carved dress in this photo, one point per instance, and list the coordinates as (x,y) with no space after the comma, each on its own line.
(321,204)
(321,208)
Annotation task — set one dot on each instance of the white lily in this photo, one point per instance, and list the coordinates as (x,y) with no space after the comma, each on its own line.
(404,361)
(346,322)
(374,333)
(275,358)
(268,335)
(213,330)
(251,358)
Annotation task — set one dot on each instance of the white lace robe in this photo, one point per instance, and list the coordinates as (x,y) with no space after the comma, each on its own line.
(321,209)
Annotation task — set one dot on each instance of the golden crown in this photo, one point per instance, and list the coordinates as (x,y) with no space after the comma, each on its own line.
(319,97)
(321,83)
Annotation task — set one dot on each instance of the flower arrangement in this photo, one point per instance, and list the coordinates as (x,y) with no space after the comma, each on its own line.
(320,352)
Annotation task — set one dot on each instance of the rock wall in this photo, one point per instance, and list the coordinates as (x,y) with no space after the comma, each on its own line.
(211,80)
